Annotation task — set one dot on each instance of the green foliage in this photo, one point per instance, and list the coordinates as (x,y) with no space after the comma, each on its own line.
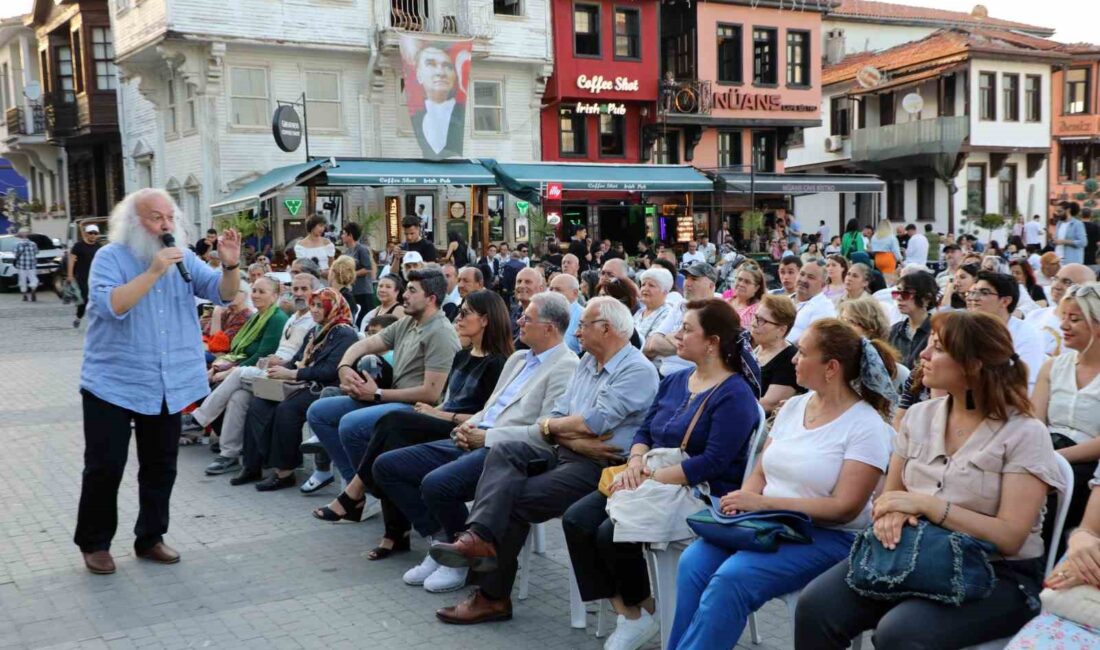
(1092,185)
(241,222)
(368,222)
(752,224)
(991,222)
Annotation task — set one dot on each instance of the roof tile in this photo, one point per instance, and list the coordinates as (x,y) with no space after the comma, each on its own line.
(900,12)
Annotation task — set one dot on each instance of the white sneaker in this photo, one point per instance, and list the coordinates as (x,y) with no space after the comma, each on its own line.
(631,635)
(445,579)
(419,573)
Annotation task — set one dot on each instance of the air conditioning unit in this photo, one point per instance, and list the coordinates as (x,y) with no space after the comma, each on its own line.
(834,143)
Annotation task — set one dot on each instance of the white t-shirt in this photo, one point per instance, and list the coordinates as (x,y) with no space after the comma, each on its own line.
(1033,233)
(1060,233)
(813,309)
(691,258)
(1029,345)
(321,254)
(806,463)
(669,325)
(916,252)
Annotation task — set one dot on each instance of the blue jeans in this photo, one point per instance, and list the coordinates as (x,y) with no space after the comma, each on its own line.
(344,426)
(430,483)
(717,590)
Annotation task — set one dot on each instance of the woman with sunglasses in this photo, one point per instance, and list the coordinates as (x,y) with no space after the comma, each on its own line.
(483,321)
(1067,394)
(771,323)
(915,297)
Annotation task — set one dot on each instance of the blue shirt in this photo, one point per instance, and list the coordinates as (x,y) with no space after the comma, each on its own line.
(613,399)
(719,444)
(516,385)
(153,354)
(571,340)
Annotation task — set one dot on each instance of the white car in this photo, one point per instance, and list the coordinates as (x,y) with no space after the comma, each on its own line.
(49,260)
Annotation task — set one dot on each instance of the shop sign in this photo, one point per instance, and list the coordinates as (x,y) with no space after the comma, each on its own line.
(553,191)
(523,207)
(597,84)
(419,180)
(1077,124)
(685,228)
(393,215)
(286,127)
(735,100)
(553,218)
(293,206)
(600,109)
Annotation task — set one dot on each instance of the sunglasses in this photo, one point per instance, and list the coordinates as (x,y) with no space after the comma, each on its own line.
(902,295)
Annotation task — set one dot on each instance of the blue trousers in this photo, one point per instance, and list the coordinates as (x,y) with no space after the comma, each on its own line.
(344,426)
(717,590)
(430,483)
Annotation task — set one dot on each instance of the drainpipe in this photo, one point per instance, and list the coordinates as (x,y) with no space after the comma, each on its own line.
(65,184)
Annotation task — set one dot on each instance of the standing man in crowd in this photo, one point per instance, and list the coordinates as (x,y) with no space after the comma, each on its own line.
(80,265)
(414,239)
(1069,234)
(953,255)
(26,265)
(916,249)
(366,269)
(579,248)
(207,245)
(1033,234)
(453,298)
(143,363)
(1092,235)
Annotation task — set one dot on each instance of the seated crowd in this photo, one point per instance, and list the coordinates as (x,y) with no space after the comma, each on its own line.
(481,395)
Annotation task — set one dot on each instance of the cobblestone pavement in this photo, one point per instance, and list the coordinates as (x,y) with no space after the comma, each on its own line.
(257,570)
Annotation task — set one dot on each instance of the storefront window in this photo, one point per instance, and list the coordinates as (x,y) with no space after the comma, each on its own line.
(765,59)
(628,34)
(763,151)
(573,132)
(586,30)
(612,135)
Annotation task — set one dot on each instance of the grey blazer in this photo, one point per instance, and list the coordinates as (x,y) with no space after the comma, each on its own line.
(518,420)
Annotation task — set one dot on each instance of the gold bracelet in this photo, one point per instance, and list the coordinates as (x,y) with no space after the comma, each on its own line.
(544,429)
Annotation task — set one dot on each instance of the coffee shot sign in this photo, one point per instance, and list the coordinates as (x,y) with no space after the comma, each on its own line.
(286,126)
(597,84)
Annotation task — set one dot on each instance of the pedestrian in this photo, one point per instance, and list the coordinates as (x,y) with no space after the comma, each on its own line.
(143,363)
(80,265)
(366,269)
(26,265)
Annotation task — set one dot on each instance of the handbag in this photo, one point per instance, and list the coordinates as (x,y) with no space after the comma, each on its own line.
(611,474)
(655,512)
(929,562)
(1080,604)
(276,390)
(760,531)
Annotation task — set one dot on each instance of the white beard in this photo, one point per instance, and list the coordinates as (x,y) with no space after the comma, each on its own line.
(145,245)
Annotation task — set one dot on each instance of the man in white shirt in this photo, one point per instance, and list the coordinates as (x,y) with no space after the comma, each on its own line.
(1045,319)
(440,124)
(810,300)
(953,255)
(660,347)
(916,252)
(997,294)
(692,256)
(710,253)
(1033,234)
(823,233)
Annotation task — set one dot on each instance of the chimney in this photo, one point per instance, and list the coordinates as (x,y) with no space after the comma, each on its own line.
(834,46)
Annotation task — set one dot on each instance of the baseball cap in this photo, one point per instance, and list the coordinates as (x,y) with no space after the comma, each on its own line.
(91,228)
(702,270)
(411,257)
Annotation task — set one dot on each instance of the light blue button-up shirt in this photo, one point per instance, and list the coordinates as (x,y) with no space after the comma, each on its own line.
(614,399)
(530,366)
(153,354)
(575,312)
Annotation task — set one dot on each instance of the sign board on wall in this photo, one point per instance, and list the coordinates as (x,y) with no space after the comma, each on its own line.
(597,84)
(685,228)
(286,127)
(553,191)
(734,100)
(393,217)
(600,109)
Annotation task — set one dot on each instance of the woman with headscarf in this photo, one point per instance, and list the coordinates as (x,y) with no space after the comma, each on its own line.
(273,430)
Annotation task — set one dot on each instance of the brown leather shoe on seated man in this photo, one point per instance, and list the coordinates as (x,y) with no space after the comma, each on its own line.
(477,608)
(100,562)
(469,550)
(161,554)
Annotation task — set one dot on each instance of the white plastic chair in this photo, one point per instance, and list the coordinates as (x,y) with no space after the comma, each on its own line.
(1062,508)
(536,541)
(663,563)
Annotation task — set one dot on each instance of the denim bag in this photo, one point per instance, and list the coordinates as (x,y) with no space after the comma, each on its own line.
(750,531)
(929,562)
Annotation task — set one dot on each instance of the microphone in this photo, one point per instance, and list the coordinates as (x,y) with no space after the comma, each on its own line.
(169,242)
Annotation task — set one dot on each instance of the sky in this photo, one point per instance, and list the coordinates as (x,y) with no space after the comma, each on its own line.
(1074,20)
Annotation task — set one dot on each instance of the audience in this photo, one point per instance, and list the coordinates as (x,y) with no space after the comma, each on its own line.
(592,424)
(567,287)
(774,353)
(660,347)
(708,412)
(915,297)
(810,300)
(826,452)
(954,294)
(996,294)
(836,268)
(260,335)
(857,282)
(867,316)
(748,289)
(1047,319)
(789,268)
(1001,467)
(656,283)
(527,283)
(390,290)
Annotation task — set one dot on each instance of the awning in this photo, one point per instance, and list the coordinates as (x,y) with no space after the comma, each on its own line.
(273,182)
(742,183)
(405,172)
(528,180)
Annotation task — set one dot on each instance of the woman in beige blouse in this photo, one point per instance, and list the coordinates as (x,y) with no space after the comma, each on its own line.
(975,462)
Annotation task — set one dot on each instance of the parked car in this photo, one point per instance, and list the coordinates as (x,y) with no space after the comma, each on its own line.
(50,253)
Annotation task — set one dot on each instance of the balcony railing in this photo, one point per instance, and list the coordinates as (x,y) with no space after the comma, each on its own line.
(935,136)
(16,119)
(686,97)
(61,118)
(450,17)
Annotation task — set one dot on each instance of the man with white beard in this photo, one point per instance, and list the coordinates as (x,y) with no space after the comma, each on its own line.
(143,363)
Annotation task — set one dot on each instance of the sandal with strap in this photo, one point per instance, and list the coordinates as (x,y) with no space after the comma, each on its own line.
(381,552)
(353,510)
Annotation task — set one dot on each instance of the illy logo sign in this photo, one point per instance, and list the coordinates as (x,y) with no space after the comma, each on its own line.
(553,191)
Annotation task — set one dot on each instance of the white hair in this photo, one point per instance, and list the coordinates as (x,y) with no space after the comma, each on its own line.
(124,227)
(570,281)
(660,275)
(615,313)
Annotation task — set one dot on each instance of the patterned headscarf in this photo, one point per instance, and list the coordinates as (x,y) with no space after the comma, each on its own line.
(873,373)
(749,367)
(337,312)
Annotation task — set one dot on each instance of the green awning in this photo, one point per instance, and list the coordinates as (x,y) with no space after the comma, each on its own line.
(405,172)
(268,185)
(528,180)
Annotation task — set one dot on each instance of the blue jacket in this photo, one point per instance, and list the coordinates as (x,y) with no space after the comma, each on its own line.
(1075,232)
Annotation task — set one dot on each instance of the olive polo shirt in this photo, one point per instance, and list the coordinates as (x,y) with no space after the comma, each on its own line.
(420,347)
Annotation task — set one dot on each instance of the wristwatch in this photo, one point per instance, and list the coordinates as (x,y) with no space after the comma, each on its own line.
(231,267)
(377,395)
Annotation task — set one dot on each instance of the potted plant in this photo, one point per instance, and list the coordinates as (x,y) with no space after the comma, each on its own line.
(991,221)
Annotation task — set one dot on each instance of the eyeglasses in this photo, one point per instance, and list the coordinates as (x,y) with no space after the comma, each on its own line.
(583,324)
(978,294)
(902,295)
(467,313)
(758,321)
(524,319)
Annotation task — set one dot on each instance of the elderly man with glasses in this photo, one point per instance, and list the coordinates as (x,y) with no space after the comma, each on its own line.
(810,300)
(592,426)
(997,294)
(1045,319)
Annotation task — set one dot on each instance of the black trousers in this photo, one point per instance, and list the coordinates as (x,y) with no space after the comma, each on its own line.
(830,614)
(106,447)
(82,282)
(273,431)
(516,491)
(603,567)
(395,431)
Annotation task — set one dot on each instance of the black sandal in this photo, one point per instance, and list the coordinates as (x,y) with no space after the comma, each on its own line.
(353,510)
(381,552)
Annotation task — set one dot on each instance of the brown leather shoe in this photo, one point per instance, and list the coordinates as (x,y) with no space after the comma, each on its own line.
(161,554)
(469,550)
(100,562)
(477,608)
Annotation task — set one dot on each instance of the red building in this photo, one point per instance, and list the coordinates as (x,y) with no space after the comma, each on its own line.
(601,96)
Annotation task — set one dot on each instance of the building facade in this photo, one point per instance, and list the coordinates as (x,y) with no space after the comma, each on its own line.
(1075,150)
(202,79)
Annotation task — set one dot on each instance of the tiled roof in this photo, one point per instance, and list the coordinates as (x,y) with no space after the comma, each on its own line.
(940,47)
(889,12)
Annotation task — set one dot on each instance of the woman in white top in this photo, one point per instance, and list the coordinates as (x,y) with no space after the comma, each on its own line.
(1067,393)
(315,245)
(656,283)
(827,451)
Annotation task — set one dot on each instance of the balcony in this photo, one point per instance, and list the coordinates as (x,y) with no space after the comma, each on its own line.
(931,143)
(16,119)
(61,119)
(445,17)
(686,98)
